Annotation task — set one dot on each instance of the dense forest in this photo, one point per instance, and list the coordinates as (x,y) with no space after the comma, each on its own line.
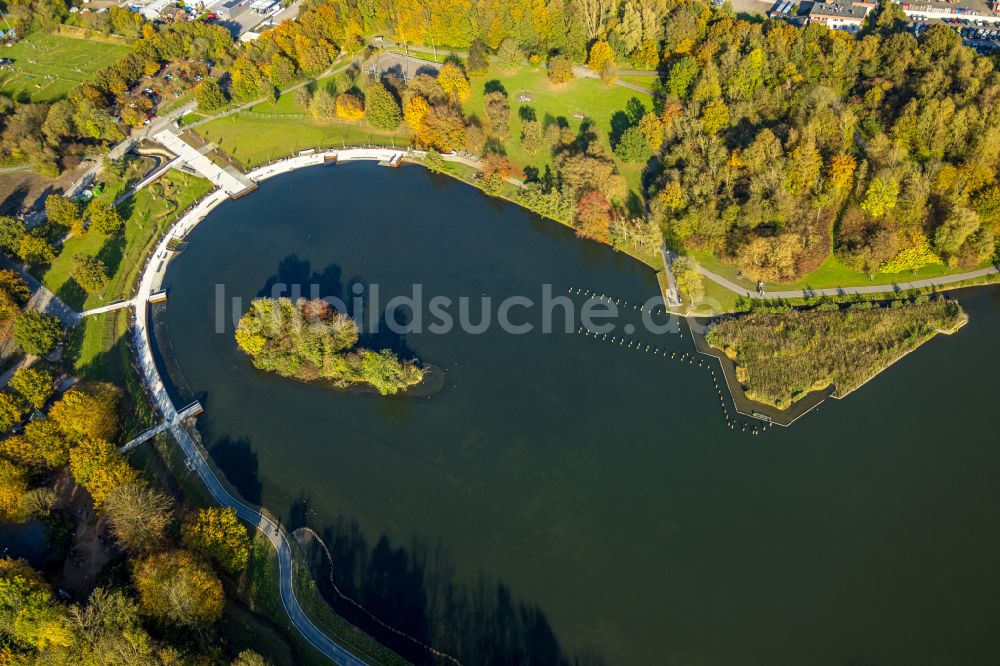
(775,146)
(784,145)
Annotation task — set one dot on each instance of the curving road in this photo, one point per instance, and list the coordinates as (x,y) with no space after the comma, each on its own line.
(151,277)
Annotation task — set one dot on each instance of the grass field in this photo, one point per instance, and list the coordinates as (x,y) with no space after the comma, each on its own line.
(441,57)
(149,212)
(46,67)
(647,82)
(831,273)
(587,97)
(270,131)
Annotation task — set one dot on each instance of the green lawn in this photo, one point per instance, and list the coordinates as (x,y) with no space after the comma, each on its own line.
(46,67)
(149,212)
(647,82)
(831,273)
(273,131)
(441,57)
(590,98)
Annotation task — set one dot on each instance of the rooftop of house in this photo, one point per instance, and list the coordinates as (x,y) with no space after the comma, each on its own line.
(841,9)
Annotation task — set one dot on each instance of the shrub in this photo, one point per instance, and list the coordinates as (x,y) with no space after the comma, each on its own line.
(560,70)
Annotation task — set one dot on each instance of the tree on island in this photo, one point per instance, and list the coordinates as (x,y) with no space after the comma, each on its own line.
(309,341)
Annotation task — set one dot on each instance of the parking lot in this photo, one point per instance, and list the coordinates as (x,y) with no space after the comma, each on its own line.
(977,33)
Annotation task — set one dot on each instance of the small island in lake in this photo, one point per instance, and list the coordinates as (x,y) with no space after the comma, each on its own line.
(310,341)
(781,356)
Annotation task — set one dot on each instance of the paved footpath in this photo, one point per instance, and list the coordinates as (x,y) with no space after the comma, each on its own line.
(942,281)
(149,284)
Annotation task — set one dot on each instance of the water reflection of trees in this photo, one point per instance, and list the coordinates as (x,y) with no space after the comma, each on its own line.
(414,589)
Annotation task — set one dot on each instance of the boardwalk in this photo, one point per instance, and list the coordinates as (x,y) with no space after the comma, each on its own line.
(150,284)
(228,179)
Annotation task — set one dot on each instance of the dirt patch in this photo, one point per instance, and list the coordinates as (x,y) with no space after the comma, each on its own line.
(92,548)
(24,190)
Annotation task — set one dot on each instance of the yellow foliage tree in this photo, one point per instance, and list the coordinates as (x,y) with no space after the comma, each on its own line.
(42,445)
(841,171)
(414,111)
(218,534)
(454,83)
(349,107)
(97,466)
(652,128)
(88,411)
(600,55)
(13,486)
(29,614)
(177,587)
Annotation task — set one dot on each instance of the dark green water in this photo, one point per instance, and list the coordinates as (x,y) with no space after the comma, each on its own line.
(567,499)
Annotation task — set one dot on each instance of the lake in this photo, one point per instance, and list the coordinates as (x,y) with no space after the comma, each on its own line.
(581,501)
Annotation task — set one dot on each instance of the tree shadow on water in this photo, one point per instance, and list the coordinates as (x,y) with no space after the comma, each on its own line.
(295,279)
(239,463)
(410,599)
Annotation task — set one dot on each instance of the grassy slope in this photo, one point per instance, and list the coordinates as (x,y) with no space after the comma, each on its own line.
(782,356)
(271,131)
(46,67)
(150,211)
(647,82)
(590,97)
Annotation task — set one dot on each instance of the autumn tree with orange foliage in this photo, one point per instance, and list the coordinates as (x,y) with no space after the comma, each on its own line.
(443,128)
(593,216)
(350,107)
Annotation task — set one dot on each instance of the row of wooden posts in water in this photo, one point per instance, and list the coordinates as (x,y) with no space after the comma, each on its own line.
(683,357)
(617,301)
